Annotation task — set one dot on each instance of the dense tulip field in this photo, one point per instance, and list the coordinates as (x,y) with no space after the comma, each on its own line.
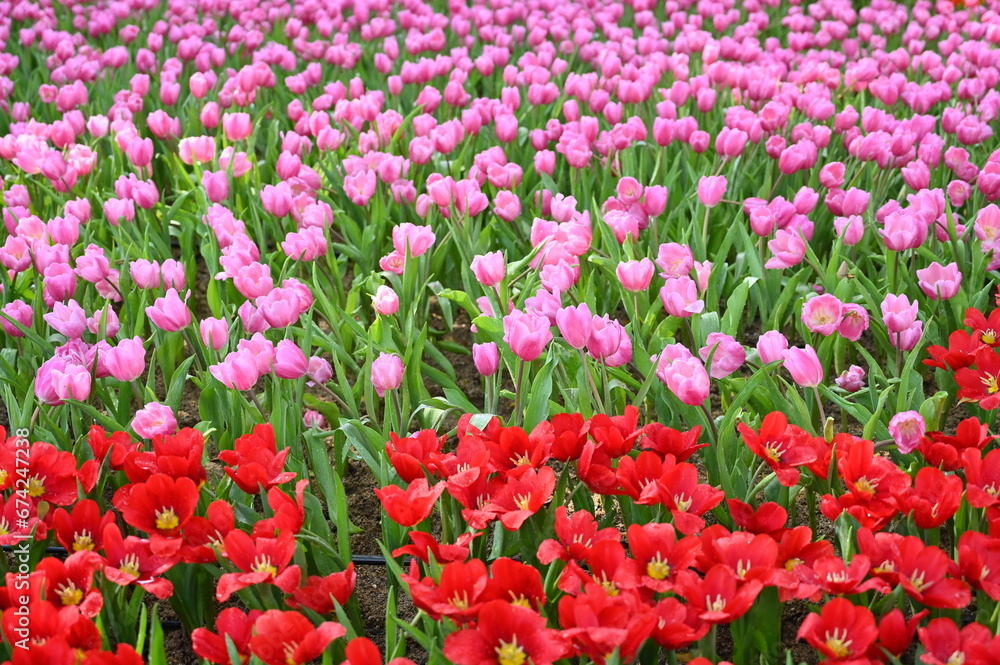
(608,331)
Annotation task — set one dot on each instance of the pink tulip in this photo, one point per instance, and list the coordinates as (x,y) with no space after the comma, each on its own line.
(804,366)
(851,229)
(169,313)
(387,373)
(216,184)
(711,189)
(788,249)
(575,325)
(526,334)
(69,320)
(605,337)
(153,420)
(145,274)
(674,260)
(852,379)
(907,429)
(907,340)
(823,314)
(771,346)
(289,361)
(386,302)
(237,126)
(127,360)
(680,297)
(277,199)
(489,269)
(58,380)
(940,282)
(727,354)
(20,312)
(238,371)
(898,313)
(831,175)
(685,377)
(635,276)
(486,358)
(214,333)
(416,239)
(506,205)
(854,323)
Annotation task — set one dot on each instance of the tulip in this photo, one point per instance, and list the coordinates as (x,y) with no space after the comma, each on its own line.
(854,322)
(940,282)
(237,371)
(18,311)
(237,126)
(727,354)
(823,314)
(907,430)
(69,320)
(674,260)
(680,297)
(214,333)
(771,346)
(635,276)
(173,274)
(127,360)
(153,420)
(216,184)
(907,339)
(711,189)
(605,337)
(418,239)
(526,334)
(851,229)
(804,366)
(489,269)
(386,302)
(289,361)
(486,358)
(788,248)
(387,373)
(169,313)
(898,313)
(685,377)
(312,419)
(852,379)
(145,274)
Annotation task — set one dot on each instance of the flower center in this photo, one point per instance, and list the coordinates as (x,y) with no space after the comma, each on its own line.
(917,580)
(683,502)
(130,565)
(658,569)
(166,519)
(82,542)
(289,649)
(989,336)
(866,486)
(773,452)
(36,486)
(523,501)
(511,653)
(262,564)
(717,605)
(837,643)
(460,600)
(957,658)
(69,594)
(792,564)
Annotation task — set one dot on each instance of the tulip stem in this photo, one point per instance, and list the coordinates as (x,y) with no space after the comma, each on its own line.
(516,416)
(819,403)
(590,380)
(704,230)
(711,422)
(256,403)
(335,396)
(137,389)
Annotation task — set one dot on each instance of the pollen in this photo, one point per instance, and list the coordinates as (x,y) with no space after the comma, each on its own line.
(957,658)
(523,501)
(4,527)
(36,486)
(742,568)
(792,564)
(289,649)
(69,594)
(166,519)
(992,386)
(773,452)
(917,580)
(130,565)
(82,541)
(716,605)
(838,644)
(989,336)
(262,564)
(460,601)
(683,502)
(658,569)
(866,486)
(521,601)
(511,653)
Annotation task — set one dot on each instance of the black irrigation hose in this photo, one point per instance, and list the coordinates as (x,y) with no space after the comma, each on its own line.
(170,626)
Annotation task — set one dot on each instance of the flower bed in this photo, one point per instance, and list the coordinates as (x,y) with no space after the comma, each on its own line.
(638,332)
